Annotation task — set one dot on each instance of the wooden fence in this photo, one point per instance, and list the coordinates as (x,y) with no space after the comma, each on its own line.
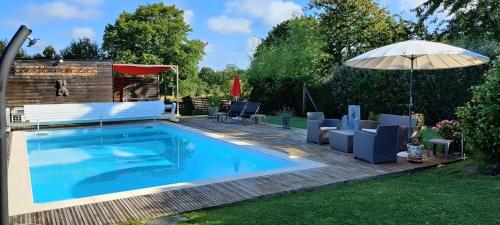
(200,106)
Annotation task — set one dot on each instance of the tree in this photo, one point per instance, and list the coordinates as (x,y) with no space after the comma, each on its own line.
(83,48)
(471,18)
(38,56)
(20,55)
(155,34)
(289,57)
(49,52)
(352,27)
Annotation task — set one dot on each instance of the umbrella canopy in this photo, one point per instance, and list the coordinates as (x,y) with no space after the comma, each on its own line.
(416,55)
(426,55)
(236,88)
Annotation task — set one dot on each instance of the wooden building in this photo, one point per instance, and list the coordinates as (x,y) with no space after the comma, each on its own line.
(42,82)
(51,82)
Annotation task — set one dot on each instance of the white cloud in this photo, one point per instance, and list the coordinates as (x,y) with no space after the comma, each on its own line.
(270,12)
(209,48)
(59,10)
(88,2)
(224,24)
(253,43)
(82,32)
(188,16)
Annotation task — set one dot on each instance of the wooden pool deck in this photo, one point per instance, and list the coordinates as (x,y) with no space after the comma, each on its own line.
(341,168)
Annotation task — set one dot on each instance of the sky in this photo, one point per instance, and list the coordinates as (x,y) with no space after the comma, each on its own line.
(231,28)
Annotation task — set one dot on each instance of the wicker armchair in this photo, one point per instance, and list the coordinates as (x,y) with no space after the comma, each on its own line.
(318,127)
(379,147)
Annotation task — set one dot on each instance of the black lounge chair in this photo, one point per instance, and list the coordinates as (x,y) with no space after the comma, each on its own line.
(251,109)
(236,110)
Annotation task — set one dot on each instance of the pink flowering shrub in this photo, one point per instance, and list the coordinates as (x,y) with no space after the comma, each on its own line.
(448,129)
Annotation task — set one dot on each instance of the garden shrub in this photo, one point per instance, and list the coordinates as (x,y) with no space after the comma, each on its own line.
(480,122)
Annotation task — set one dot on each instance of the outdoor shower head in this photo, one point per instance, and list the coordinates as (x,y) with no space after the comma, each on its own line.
(32,41)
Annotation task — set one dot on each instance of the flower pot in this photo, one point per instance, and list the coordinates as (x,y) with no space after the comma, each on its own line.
(212,110)
(286,122)
(414,153)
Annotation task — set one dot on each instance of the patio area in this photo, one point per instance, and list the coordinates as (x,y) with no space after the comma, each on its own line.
(341,168)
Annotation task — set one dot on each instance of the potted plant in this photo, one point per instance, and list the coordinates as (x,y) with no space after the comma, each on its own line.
(213,105)
(449,129)
(415,146)
(286,115)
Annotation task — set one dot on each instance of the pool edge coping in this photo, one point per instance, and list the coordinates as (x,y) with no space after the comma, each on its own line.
(20,182)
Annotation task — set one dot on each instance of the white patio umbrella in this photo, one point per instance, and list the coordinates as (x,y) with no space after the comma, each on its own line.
(416,55)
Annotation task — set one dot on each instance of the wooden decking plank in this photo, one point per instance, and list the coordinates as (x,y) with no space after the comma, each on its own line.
(107,217)
(83,215)
(123,213)
(141,205)
(148,205)
(113,212)
(135,213)
(200,200)
(186,200)
(168,202)
(97,215)
(155,204)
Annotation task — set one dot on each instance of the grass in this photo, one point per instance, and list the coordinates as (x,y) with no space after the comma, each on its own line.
(191,116)
(295,122)
(451,194)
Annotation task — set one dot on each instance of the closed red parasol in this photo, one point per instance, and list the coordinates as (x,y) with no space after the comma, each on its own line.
(236,89)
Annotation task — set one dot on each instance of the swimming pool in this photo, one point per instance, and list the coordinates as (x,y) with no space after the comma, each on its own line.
(83,162)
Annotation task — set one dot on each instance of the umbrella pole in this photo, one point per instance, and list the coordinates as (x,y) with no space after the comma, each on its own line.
(412,58)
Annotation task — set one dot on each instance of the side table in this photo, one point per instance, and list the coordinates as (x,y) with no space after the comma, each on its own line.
(439,141)
(219,116)
(258,118)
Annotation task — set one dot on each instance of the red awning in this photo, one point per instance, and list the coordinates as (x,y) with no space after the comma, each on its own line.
(133,69)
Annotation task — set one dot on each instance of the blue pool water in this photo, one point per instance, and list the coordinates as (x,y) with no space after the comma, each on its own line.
(83,162)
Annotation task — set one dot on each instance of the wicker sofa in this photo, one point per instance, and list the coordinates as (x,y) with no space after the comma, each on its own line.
(389,119)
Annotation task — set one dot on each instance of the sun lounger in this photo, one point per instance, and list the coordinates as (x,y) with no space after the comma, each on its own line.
(251,109)
(235,110)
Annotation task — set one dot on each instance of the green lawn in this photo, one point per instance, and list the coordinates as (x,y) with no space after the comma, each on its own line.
(296,122)
(450,194)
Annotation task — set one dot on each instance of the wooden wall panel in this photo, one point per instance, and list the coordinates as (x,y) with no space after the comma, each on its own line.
(128,88)
(34,82)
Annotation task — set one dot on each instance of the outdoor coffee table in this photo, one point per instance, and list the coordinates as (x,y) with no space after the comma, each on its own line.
(219,116)
(341,140)
(258,118)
